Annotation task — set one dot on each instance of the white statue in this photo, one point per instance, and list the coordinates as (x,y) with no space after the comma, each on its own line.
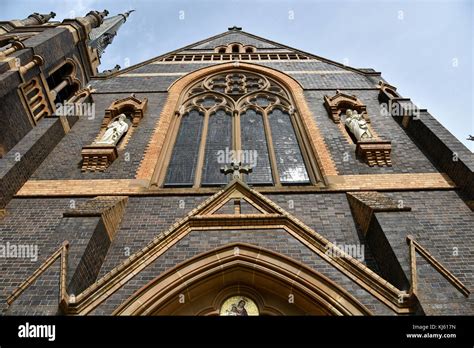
(357,125)
(114,131)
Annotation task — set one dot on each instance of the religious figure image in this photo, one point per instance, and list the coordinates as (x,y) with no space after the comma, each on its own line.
(115,130)
(239,306)
(357,125)
(238,309)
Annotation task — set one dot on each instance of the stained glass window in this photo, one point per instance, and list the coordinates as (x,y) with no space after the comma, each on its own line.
(218,147)
(267,142)
(254,148)
(181,169)
(290,162)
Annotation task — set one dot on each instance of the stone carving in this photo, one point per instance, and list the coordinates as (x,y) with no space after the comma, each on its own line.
(236,169)
(339,102)
(115,131)
(357,125)
(110,71)
(131,104)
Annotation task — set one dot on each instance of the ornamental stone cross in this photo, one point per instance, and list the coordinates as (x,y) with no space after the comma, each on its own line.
(236,170)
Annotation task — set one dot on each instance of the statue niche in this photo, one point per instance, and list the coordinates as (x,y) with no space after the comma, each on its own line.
(114,134)
(369,147)
(115,131)
(336,105)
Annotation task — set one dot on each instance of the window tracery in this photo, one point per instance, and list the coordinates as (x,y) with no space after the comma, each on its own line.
(238,116)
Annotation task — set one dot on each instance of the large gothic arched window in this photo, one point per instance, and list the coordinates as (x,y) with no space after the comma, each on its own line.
(237,116)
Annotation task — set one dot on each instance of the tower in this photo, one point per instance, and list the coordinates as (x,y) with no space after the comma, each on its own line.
(236,176)
(43,65)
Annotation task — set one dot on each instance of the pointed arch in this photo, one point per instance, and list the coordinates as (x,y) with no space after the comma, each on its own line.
(339,102)
(248,265)
(131,105)
(159,147)
(267,215)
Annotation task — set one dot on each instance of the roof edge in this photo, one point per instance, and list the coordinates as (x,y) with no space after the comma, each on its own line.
(326,60)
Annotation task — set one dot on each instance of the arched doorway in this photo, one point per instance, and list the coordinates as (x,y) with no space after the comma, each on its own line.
(275,284)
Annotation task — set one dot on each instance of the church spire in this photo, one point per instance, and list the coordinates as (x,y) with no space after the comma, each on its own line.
(103,35)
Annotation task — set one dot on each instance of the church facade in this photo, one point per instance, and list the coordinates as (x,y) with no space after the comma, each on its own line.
(234,176)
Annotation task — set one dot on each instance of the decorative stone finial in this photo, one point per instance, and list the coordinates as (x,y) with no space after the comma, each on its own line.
(38,18)
(96,18)
(110,71)
(126,14)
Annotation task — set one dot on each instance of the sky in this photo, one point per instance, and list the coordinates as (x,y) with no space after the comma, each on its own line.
(424,48)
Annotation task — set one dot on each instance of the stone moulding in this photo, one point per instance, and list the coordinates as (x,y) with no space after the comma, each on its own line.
(82,96)
(220,262)
(96,158)
(414,248)
(387,92)
(375,152)
(131,104)
(61,254)
(137,187)
(336,104)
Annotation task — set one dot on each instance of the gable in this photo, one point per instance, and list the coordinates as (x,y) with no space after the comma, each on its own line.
(202,54)
(269,215)
(230,37)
